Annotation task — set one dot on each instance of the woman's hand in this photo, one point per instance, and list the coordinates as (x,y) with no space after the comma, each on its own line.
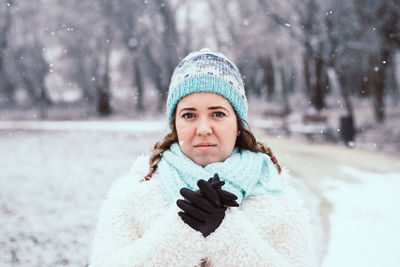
(226,198)
(205,209)
(199,213)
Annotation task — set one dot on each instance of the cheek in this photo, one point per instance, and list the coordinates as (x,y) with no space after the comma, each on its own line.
(184,132)
(230,138)
(228,129)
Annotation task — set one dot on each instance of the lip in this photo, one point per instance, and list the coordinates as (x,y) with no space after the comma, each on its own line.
(205,146)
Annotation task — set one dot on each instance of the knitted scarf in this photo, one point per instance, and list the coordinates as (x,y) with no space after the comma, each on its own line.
(245,173)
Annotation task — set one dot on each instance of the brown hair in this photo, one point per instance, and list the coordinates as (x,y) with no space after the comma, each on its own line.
(245,140)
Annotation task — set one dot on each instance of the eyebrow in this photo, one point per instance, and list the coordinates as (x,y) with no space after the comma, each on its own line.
(218,107)
(210,108)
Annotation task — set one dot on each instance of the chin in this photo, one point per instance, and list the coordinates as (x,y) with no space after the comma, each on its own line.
(204,162)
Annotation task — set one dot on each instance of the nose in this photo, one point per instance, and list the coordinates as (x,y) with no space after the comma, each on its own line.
(204,127)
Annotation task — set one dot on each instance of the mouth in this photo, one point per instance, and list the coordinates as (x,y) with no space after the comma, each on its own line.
(205,146)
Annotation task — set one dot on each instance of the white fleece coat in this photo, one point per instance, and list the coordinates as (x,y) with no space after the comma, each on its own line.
(137,228)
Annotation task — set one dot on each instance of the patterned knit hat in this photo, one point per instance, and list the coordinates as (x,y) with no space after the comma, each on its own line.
(207,71)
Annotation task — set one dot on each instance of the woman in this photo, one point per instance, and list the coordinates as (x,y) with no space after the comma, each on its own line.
(212,195)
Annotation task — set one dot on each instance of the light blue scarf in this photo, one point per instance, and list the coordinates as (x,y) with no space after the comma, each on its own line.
(245,173)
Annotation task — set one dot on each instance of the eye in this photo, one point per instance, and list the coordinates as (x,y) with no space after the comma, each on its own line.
(188,116)
(218,114)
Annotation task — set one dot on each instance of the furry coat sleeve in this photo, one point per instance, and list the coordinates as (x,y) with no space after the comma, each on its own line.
(136,228)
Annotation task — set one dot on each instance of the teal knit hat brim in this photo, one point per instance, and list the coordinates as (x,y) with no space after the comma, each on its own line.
(206,84)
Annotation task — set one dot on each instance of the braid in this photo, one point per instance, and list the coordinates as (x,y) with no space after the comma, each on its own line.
(267,150)
(246,140)
(158,148)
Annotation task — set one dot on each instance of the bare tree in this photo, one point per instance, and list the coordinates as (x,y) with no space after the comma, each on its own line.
(382,17)
(80,38)
(29,49)
(171,42)
(132,36)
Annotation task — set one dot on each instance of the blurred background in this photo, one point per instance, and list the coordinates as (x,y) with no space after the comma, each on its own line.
(83,86)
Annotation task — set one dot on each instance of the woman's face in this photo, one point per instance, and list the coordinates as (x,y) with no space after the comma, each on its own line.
(207,128)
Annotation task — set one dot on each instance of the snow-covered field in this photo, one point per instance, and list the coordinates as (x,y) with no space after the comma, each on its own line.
(365,222)
(52,183)
(51,187)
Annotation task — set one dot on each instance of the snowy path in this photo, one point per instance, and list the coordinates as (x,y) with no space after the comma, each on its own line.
(358,200)
(54,178)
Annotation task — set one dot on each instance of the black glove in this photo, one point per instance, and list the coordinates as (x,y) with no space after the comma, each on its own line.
(199,212)
(226,198)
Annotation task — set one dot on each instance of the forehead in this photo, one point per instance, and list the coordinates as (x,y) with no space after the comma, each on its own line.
(204,99)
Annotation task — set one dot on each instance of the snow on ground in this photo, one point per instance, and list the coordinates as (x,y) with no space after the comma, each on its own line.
(111,126)
(365,222)
(52,184)
(313,204)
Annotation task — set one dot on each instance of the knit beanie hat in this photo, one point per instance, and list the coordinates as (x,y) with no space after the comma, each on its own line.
(207,71)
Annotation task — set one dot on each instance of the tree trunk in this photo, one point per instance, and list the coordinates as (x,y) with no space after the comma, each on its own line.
(396,77)
(268,80)
(45,100)
(139,86)
(285,92)
(215,8)
(346,97)
(4,28)
(155,75)
(336,87)
(171,38)
(5,84)
(1,54)
(103,103)
(163,99)
(379,84)
(43,104)
(319,88)
(307,72)
(104,97)
(8,89)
